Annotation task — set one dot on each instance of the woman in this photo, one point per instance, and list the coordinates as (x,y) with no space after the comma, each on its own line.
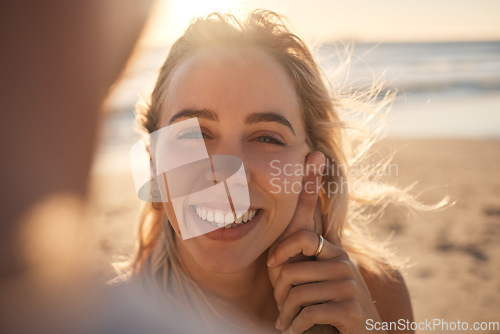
(297,263)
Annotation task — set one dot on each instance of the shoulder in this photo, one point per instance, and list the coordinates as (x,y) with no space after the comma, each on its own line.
(390,295)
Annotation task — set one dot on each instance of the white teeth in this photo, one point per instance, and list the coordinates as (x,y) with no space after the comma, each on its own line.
(224,219)
(219,218)
(210,216)
(229,218)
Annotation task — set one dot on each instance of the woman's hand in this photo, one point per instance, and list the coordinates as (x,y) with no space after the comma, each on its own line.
(326,290)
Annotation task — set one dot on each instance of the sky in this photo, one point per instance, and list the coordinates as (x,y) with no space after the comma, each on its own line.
(346,20)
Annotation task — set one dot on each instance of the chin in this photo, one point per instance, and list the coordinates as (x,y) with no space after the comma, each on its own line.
(216,262)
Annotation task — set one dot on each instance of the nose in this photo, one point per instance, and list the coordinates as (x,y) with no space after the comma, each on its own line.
(226,159)
(224,167)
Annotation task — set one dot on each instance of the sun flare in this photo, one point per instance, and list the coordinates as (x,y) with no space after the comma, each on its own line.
(171,17)
(185,10)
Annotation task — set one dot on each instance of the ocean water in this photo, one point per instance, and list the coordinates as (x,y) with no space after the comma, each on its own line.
(445,90)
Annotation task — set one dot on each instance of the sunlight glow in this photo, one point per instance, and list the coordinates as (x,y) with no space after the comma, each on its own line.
(187,9)
(333,20)
(171,17)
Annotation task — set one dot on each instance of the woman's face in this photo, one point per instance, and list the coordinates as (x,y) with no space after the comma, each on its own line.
(247,107)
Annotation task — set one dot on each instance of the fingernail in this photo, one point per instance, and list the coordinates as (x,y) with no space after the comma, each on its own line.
(278,324)
(271,261)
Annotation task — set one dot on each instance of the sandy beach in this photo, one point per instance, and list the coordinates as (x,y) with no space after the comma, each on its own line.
(453,254)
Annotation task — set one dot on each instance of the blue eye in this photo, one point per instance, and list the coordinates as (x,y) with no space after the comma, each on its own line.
(270,140)
(190,135)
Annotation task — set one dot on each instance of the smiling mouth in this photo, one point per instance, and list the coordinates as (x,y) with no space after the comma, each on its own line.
(223,219)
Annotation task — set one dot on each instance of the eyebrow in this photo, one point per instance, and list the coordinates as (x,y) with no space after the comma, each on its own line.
(190,113)
(268,117)
(251,119)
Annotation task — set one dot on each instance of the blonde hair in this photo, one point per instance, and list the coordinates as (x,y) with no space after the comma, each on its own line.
(155,260)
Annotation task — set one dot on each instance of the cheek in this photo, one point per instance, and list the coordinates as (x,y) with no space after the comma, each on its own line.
(279,177)
(279,174)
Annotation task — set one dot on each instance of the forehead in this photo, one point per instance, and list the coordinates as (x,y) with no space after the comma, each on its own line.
(232,81)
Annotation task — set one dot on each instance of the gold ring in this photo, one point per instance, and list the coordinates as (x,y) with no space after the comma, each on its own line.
(320,246)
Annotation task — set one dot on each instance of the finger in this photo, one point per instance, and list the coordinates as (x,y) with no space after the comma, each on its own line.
(335,314)
(313,293)
(308,197)
(305,242)
(307,215)
(295,274)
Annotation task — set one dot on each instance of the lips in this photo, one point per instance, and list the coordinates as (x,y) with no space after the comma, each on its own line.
(223,218)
